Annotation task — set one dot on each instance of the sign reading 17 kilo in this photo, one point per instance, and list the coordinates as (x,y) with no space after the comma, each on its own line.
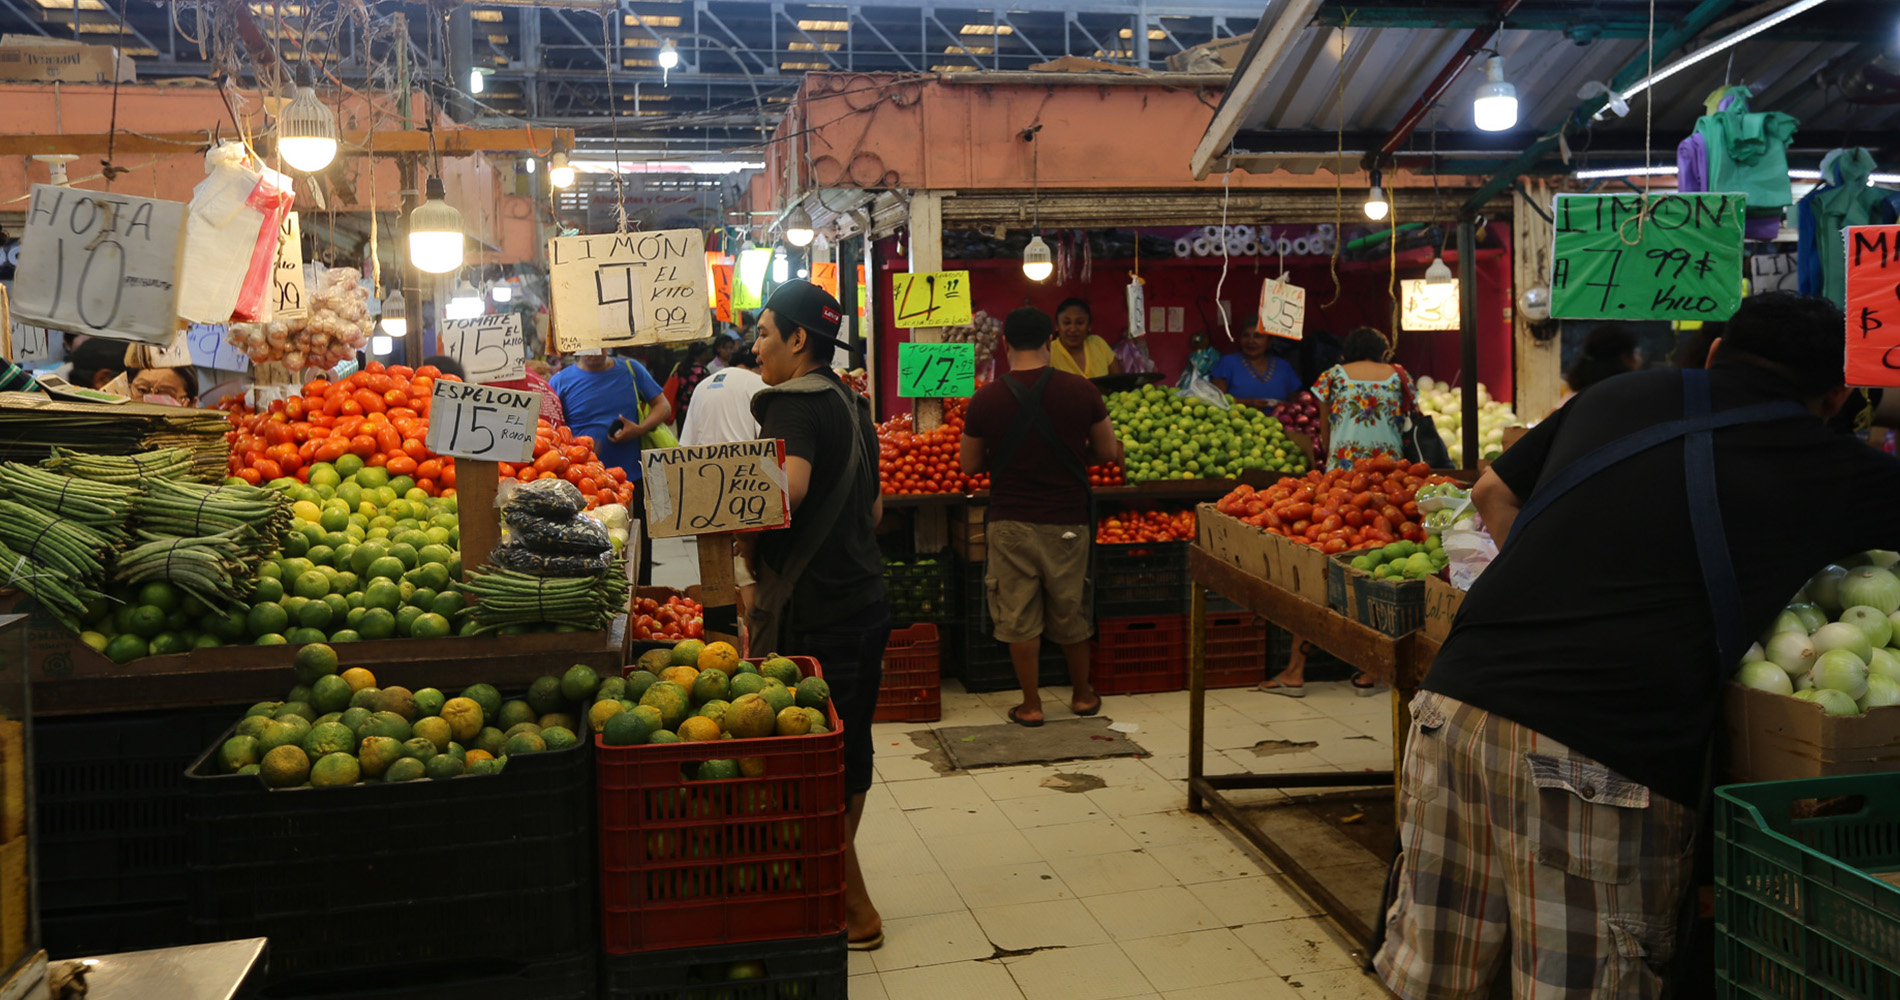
(618,290)
(1628,257)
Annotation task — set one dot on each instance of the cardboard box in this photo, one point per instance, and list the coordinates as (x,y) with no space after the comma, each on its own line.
(1773,737)
(15,898)
(1221,54)
(1442,601)
(46,60)
(12,779)
(1300,569)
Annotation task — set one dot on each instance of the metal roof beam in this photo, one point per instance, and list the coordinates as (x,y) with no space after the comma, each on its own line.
(1692,24)
(1280,23)
(1474,44)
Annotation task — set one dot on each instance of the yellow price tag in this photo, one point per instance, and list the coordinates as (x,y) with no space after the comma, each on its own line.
(931,298)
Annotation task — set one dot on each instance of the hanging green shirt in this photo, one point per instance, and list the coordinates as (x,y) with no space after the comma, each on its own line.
(1748,152)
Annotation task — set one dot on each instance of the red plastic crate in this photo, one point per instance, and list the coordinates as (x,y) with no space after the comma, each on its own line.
(1140,655)
(687,863)
(912,690)
(1236,649)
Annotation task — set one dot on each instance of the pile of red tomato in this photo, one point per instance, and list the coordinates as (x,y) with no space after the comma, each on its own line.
(1371,503)
(910,463)
(381,415)
(1146,526)
(671,620)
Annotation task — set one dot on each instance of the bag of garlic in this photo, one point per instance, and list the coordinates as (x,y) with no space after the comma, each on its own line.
(336,326)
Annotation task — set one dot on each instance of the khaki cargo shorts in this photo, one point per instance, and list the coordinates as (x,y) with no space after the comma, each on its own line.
(1038,583)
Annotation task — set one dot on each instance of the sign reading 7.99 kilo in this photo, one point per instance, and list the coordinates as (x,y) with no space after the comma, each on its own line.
(98,263)
(617,290)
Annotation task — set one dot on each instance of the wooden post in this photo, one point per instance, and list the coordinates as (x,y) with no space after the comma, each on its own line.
(1537,365)
(717,594)
(932,531)
(476,484)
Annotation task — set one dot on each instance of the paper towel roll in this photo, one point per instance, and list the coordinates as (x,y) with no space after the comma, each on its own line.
(1243,233)
(1211,233)
(1250,249)
(1203,247)
(1183,247)
(1283,246)
(1302,246)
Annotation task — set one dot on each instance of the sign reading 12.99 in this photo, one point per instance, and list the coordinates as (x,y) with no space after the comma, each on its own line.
(482,422)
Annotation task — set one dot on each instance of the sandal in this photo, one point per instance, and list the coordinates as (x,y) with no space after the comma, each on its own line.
(1091,710)
(1272,686)
(872,943)
(1019,720)
(1367,689)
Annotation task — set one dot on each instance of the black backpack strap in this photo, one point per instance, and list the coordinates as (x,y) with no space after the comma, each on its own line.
(1031,417)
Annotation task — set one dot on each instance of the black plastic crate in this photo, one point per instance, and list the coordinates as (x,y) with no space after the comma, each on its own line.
(922,589)
(111,805)
(972,654)
(806,969)
(570,978)
(392,876)
(110,930)
(1140,578)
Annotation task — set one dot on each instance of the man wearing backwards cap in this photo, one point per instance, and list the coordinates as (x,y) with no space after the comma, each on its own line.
(821,579)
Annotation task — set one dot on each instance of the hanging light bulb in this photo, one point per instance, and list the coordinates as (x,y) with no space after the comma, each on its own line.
(780,269)
(475,85)
(503,292)
(381,346)
(1377,207)
(1494,109)
(798,228)
(395,315)
(1038,262)
(559,173)
(435,233)
(669,55)
(306,132)
(528,164)
(465,303)
(1438,273)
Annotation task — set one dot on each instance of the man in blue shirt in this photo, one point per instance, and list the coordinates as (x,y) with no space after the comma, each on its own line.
(601,397)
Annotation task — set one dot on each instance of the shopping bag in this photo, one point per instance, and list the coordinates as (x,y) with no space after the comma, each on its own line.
(233,211)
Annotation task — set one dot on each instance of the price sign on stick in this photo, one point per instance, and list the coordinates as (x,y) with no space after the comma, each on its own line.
(632,288)
(1424,306)
(930,298)
(1667,256)
(1873,305)
(930,371)
(289,292)
(482,422)
(715,488)
(101,264)
(1282,309)
(490,348)
(209,350)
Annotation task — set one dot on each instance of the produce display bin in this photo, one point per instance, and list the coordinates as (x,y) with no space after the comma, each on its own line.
(574,977)
(814,968)
(1140,655)
(1238,648)
(688,863)
(980,662)
(379,876)
(1140,578)
(922,588)
(1807,904)
(912,690)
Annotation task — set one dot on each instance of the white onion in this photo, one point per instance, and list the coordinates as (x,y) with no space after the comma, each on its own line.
(1793,652)
(1881,692)
(1810,615)
(1871,621)
(1871,585)
(1825,588)
(1842,671)
(1786,621)
(1764,676)
(1884,663)
(1840,635)
(1835,702)
(1754,654)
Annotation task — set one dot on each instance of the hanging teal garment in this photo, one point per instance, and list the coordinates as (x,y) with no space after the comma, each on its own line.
(1748,152)
(1844,199)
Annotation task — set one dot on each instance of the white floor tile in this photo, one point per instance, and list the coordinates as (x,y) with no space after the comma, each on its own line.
(1250,900)
(1013,782)
(1003,885)
(900,896)
(951,791)
(1298,947)
(930,940)
(1202,958)
(1051,810)
(1341,984)
(866,987)
(1253,989)
(1056,923)
(955,981)
(1079,840)
(1150,912)
(1006,848)
(1195,862)
(1097,972)
(892,768)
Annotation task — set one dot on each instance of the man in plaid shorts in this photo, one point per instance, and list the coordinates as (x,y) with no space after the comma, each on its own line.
(1559,754)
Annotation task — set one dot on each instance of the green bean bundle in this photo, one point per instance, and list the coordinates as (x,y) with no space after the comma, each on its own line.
(192,510)
(101,506)
(208,567)
(57,591)
(505,598)
(65,545)
(126,470)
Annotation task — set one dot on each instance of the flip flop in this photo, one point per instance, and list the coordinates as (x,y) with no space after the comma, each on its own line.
(1366,690)
(872,943)
(1271,686)
(1025,723)
(1092,710)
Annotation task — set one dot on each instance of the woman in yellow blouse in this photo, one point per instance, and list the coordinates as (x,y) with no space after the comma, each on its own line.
(1078,351)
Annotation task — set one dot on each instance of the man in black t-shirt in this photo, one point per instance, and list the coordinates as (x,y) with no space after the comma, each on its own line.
(1038,526)
(1559,747)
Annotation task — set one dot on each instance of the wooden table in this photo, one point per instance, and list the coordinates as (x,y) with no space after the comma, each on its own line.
(1395,661)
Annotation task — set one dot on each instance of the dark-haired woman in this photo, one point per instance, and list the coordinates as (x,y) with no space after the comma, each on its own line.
(1077,350)
(1610,349)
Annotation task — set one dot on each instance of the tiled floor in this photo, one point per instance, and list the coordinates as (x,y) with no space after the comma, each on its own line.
(1031,882)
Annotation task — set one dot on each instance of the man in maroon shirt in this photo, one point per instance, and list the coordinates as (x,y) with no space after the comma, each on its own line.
(1036,430)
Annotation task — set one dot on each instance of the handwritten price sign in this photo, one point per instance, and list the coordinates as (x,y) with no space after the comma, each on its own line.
(931,298)
(482,422)
(632,288)
(101,264)
(715,489)
(209,349)
(289,290)
(1668,256)
(932,371)
(1282,309)
(1873,305)
(490,348)
(1424,306)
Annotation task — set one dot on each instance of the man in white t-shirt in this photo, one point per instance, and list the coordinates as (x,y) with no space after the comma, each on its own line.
(722,405)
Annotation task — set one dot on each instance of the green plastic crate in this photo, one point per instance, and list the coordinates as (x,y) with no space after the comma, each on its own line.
(1800,912)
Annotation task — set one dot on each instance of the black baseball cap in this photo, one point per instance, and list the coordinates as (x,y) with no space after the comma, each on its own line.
(805,305)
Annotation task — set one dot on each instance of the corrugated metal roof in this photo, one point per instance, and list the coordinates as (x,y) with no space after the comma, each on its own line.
(1388,68)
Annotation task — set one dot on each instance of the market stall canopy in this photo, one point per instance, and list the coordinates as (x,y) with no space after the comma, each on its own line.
(1408,69)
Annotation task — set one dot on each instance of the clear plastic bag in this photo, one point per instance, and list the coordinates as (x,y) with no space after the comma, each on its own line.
(1196,386)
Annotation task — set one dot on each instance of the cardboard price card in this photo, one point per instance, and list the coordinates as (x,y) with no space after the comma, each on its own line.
(1425,307)
(930,298)
(931,371)
(490,348)
(1666,256)
(482,422)
(290,290)
(631,288)
(100,264)
(1282,309)
(209,349)
(1873,305)
(715,488)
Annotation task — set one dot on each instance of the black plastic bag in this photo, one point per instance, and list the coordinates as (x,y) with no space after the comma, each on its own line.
(578,534)
(552,499)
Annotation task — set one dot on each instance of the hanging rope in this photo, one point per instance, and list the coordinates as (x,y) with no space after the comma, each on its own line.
(112,130)
(1339,180)
(1649,115)
(612,59)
